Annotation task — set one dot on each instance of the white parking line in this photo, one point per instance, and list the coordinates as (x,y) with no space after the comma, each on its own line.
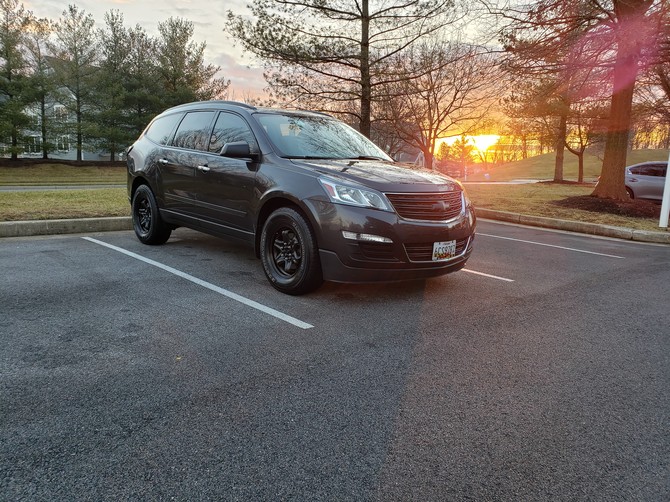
(204,284)
(487,275)
(550,245)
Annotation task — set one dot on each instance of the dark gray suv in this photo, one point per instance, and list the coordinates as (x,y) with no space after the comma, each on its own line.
(316,199)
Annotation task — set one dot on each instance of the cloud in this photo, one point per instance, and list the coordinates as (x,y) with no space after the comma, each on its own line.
(209,21)
(245,79)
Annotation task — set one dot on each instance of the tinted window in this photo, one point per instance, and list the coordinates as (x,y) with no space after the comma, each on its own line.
(650,170)
(660,169)
(161,129)
(193,132)
(228,129)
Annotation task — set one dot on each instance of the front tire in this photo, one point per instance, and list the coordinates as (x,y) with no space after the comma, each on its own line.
(289,253)
(147,222)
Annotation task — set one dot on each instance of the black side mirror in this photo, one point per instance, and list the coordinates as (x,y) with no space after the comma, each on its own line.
(238,150)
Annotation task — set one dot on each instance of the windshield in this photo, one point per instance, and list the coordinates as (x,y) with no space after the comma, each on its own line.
(312,137)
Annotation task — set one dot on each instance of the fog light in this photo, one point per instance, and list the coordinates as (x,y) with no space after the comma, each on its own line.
(366,237)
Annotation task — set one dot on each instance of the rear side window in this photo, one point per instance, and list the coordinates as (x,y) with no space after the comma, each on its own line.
(650,170)
(230,128)
(160,130)
(193,131)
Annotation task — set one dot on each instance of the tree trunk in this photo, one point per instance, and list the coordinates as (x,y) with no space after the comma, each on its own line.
(427,158)
(79,119)
(580,159)
(560,148)
(611,184)
(45,149)
(79,138)
(15,143)
(580,172)
(366,87)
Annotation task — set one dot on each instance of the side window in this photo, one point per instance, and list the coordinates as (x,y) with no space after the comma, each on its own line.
(645,171)
(161,129)
(660,169)
(193,131)
(228,129)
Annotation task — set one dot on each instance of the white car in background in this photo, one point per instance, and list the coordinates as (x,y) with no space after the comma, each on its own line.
(646,180)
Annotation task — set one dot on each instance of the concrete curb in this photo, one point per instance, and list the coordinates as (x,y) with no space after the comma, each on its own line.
(577,226)
(84,225)
(53,227)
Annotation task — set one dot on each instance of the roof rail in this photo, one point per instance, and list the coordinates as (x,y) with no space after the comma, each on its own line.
(227,102)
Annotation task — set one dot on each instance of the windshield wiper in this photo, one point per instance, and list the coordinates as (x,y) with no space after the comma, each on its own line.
(367,157)
(307,157)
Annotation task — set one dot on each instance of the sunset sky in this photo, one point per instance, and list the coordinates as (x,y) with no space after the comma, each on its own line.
(208,19)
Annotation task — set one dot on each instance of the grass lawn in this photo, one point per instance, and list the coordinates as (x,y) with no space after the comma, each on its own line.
(533,199)
(538,199)
(542,166)
(55,174)
(58,204)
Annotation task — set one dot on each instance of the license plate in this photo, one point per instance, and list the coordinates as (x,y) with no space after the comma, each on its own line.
(444,250)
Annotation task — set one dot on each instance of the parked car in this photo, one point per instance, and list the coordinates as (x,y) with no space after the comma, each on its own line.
(316,199)
(646,180)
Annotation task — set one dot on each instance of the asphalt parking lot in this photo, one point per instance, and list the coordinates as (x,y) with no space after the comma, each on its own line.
(127,372)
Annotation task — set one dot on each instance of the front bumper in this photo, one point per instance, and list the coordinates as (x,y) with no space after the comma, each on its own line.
(409,254)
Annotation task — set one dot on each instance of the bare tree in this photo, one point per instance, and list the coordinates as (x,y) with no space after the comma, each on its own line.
(632,28)
(446,91)
(328,52)
(584,129)
(616,35)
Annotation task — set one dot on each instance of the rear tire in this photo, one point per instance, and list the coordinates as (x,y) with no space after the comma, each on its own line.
(289,253)
(630,193)
(147,222)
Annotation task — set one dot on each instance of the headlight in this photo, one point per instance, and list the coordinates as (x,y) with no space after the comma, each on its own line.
(345,194)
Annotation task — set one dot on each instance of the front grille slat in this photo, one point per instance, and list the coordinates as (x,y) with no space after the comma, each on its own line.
(440,206)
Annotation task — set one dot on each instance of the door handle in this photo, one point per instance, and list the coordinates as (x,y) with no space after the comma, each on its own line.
(204,169)
(162,161)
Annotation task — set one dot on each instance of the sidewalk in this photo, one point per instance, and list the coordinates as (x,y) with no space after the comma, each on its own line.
(86,225)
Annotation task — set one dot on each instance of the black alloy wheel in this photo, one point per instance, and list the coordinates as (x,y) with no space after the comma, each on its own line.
(289,253)
(147,222)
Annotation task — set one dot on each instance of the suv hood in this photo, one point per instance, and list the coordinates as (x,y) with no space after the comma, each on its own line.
(381,175)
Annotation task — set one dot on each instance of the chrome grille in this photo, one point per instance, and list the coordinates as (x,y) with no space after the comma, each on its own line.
(427,206)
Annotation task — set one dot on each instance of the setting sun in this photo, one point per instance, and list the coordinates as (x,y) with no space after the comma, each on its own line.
(481,142)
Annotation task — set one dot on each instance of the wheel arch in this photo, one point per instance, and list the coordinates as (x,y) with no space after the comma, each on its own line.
(272,204)
(137,181)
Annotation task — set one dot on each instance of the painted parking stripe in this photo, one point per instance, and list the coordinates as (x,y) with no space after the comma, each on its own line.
(211,287)
(551,246)
(487,275)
